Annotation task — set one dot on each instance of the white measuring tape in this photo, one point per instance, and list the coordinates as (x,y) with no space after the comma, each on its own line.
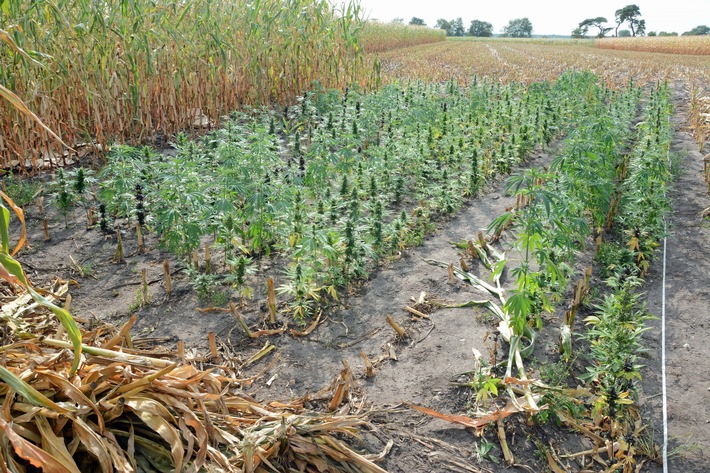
(663,359)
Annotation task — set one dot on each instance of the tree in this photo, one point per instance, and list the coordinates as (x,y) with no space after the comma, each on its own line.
(457,28)
(398,20)
(641,28)
(632,15)
(624,34)
(578,33)
(652,33)
(480,28)
(518,28)
(417,21)
(666,33)
(597,22)
(701,30)
(443,25)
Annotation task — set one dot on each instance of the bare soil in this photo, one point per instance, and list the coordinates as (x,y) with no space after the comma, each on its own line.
(437,350)
(687,311)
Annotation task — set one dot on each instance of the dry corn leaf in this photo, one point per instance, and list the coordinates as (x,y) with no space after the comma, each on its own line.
(155,416)
(30,452)
(92,442)
(54,445)
(29,392)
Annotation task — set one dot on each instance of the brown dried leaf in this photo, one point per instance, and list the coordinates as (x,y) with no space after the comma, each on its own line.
(30,452)
(93,443)
(55,445)
(155,416)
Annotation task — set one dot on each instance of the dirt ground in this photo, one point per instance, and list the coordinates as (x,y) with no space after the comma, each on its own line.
(438,349)
(687,310)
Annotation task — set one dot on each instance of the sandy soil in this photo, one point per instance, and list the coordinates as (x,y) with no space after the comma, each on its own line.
(687,309)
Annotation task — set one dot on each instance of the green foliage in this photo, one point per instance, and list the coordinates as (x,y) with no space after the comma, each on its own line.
(70,188)
(700,30)
(484,449)
(480,28)
(127,167)
(303,288)
(630,14)
(241,267)
(598,23)
(329,195)
(615,331)
(614,260)
(63,192)
(21,191)
(518,28)
(445,25)
(614,334)
(205,285)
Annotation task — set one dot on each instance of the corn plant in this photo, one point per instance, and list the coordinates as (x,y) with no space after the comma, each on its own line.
(130,71)
(377,37)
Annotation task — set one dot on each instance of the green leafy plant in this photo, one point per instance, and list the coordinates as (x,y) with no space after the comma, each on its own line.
(205,285)
(241,267)
(23,192)
(64,195)
(484,451)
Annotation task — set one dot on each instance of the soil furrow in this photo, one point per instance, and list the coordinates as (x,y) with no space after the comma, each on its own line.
(687,314)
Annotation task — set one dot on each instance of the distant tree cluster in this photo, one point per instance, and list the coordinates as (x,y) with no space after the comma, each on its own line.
(662,33)
(452,27)
(479,28)
(456,27)
(584,26)
(701,30)
(519,28)
(630,15)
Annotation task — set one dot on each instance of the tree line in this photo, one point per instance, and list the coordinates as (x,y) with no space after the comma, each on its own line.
(517,28)
(631,16)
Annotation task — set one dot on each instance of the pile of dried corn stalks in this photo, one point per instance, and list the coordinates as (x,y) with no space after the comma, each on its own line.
(124,411)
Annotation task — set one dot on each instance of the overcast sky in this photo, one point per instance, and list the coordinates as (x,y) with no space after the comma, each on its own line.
(547,16)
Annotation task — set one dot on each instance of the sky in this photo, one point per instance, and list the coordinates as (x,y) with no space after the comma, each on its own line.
(547,16)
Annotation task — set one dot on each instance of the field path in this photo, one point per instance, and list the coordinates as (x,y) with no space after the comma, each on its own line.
(687,315)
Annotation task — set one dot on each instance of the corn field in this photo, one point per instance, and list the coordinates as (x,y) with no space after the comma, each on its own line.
(379,37)
(690,45)
(120,71)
